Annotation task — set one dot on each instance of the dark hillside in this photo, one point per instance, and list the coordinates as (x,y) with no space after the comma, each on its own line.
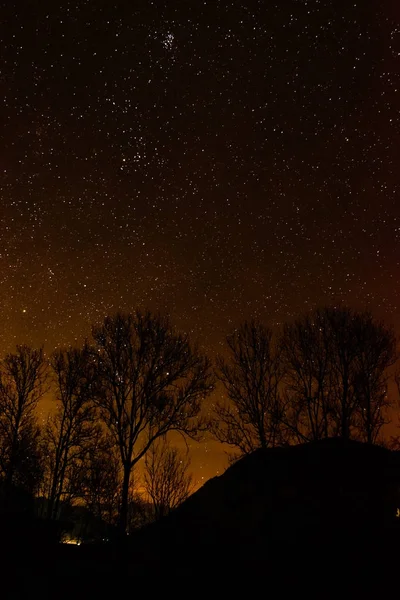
(328,498)
(318,517)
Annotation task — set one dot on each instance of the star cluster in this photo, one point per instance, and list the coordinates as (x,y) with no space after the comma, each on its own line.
(215,160)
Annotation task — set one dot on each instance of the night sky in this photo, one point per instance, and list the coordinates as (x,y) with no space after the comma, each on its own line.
(214,160)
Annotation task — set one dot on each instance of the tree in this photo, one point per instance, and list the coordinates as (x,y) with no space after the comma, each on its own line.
(70,429)
(306,354)
(150,381)
(394,442)
(337,364)
(140,511)
(251,376)
(376,354)
(22,384)
(28,474)
(166,477)
(343,349)
(101,478)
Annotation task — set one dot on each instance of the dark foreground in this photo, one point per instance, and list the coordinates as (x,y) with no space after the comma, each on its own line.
(316,520)
(349,564)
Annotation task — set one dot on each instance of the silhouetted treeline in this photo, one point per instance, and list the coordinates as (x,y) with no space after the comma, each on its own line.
(325,375)
(118,396)
(135,381)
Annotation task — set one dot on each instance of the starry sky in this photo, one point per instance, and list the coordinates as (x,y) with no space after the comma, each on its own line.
(214,160)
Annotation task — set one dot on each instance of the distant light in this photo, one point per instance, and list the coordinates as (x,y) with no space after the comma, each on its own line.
(73,541)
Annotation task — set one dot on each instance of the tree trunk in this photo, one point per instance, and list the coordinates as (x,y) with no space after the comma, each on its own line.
(52,495)
(13,454)
(9,478)
(123,515)
(64,461)
(345,425)
(9,475)
(56,489)
(369,418)
(311,418)
(53,491)
(55,473)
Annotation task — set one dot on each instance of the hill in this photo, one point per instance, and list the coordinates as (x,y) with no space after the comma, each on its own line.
(315,517)
(292,504)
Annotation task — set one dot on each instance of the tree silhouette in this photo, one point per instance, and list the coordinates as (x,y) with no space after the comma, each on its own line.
(150,381)
(71,428)
(140,511)
(307,356)
(252,417)
(22,384)
(376,354)
(167,481)
(101,478)
(337,364)
(343,350)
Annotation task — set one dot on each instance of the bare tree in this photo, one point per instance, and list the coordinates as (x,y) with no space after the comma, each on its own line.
(22,384)
(343,351)
(306,353)
(394,442)
(376,354)
(252,417)
(101,482)
(70,429)
(140,511)
(337,361)
(150,381)
(28,474)
(166,477)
